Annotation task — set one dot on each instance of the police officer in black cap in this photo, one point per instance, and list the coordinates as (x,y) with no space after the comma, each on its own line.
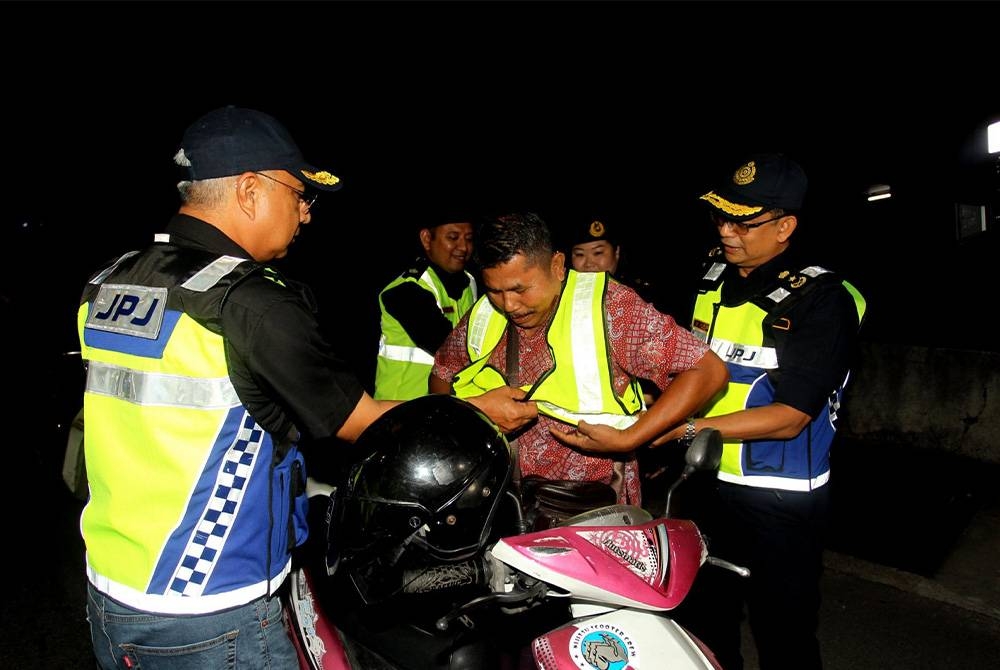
(786,328)
(421,305)
(594,244)
(205,368)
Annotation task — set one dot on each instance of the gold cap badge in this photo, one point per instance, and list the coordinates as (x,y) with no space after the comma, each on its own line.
(323,177)
(745,174)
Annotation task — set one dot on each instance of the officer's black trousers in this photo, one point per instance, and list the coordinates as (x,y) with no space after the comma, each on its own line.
(780,536)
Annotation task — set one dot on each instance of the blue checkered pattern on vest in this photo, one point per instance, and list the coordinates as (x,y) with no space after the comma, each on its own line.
(210,534)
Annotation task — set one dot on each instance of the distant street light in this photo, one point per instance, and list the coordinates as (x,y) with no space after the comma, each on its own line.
(878,192)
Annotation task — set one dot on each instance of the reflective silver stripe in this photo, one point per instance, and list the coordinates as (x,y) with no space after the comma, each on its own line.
(173,604)
(778,294)
(210,275)
(814,271)
(714,271)
(764,358)
(108,270)
(783,483)
(429,285)
(150,388)
(397,352)
(619,421)
(478,322)
(589,391)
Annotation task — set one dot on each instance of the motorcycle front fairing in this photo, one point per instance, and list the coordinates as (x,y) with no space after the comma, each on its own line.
(628,639)
(648,566)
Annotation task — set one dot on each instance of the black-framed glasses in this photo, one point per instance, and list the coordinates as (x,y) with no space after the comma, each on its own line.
(741,228)
(306,197)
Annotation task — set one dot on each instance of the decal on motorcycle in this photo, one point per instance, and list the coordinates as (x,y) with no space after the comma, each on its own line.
(603,647)
(635,549)
(130,310)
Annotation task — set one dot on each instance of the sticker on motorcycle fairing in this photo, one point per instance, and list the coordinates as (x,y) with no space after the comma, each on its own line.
(603,647)
(634,549)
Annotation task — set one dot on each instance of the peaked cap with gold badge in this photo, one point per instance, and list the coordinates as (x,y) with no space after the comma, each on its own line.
(591,230)
(761,183)
(232,140)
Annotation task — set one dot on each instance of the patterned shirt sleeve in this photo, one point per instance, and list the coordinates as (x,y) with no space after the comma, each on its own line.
(645,342)
(452,356)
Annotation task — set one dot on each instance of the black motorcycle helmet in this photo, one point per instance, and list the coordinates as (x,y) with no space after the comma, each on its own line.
(431,476)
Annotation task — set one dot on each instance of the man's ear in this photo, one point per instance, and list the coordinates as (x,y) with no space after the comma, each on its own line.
(425,238)
(247,187)
(558,265)
(787,226)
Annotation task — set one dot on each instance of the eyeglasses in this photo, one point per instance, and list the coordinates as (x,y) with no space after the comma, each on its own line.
(307,198)
(741,228)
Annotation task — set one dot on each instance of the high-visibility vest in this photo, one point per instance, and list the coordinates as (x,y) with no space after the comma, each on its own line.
(193,506)
(742,335)
(402,368)
(579,384)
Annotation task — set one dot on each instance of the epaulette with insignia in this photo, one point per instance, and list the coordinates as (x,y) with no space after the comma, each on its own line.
(416,269)
(792,283)
(712,269)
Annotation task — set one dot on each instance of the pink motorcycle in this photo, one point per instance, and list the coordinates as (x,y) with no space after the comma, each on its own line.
(436,568)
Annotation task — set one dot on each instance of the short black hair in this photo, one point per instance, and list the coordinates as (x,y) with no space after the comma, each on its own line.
(500,238)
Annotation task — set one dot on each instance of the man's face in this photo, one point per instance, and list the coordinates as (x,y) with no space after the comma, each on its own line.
(526,291)
(449,246)
(286,212)
(748,245)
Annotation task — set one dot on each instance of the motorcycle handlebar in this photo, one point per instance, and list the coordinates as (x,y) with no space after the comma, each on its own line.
(732,567)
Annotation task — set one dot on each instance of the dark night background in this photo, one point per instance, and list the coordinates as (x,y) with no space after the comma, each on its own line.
(621,110)
(626,111)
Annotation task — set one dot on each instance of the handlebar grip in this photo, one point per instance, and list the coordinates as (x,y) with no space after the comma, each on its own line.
(445,576)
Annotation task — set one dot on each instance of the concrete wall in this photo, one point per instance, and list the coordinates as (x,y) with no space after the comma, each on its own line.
(929,398)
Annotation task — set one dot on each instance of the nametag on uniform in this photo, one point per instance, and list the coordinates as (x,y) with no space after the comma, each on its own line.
(130,310)
(700,330)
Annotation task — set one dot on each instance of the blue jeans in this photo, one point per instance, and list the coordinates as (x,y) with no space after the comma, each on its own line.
(249,637)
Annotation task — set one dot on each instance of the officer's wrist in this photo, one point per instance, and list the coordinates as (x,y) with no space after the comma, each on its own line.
(689,432)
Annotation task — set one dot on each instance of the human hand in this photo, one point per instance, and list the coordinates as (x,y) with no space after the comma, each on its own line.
(506,407)
(595,437)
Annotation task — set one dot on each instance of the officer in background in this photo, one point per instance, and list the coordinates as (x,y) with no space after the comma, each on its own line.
(595,244)
(421,306)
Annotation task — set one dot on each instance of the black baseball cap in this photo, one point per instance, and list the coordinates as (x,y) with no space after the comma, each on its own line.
(761,182)
(233,140)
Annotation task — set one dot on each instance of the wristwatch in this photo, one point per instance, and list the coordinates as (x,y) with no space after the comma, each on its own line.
(689,432)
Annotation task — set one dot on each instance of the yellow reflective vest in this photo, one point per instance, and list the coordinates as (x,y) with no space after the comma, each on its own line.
(193,506)
(402,368)
(579,384)
(741,336)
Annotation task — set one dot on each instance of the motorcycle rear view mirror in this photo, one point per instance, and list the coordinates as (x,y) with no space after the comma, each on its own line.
(702,455)
(704,452)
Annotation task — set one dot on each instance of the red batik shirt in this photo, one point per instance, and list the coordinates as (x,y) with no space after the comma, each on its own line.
(643,342)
